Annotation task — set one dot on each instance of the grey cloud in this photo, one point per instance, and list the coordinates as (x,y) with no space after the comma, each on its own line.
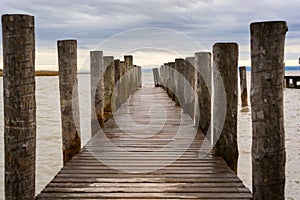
(207,21)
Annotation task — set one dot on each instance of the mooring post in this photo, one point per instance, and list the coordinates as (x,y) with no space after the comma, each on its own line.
(155,76)
(225,62)
(18,37)
(243,86)
(109,84)
(117,70)
(190,87)
(203,89)
(172,75)
(168,84)
(97,111)
(268,135)
(179,66)
(117,92)
(69,103)
(128,60)
(139,76)
(161,76)
(122,85)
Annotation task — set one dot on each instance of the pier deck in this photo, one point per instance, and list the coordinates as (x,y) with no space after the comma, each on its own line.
(156,158)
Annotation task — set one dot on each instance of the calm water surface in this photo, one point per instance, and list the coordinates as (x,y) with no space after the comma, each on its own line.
(49,145)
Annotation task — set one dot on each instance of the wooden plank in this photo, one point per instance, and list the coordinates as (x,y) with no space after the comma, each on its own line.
(187,177)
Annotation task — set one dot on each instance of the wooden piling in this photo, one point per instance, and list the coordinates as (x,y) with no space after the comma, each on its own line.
(172,80)
(268,135)
(69,103)
(139,77)
(179,66)
(117,99)
(122,85)
(156,77)
(203,88)
(18,38)
(97,111)
(225,61)
(109,84)
(168,82)
(128,61)
(243,86)
(161,77)
(190,88)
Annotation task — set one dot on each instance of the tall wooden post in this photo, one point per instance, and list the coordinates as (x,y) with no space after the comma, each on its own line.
(268,135)
(128,61)
(161,77)
(109,84)
(189,94)
(168,84)
(172,75)
(139,76)
(69,103)
(243,86)
(19,105)
(203,88)
(155,76)
(179,66)
(225,60)
(97,112)
(122,85)
(117,98)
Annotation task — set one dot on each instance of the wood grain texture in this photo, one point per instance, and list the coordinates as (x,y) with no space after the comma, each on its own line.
(188,177)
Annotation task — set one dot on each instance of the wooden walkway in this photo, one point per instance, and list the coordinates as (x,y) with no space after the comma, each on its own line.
(155,157)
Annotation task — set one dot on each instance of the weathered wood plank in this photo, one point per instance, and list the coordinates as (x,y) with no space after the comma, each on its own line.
(187,177)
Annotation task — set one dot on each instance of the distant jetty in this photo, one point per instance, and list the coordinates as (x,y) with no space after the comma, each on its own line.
(39,73)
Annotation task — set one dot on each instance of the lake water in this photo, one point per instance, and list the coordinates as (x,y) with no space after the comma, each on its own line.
(49,153)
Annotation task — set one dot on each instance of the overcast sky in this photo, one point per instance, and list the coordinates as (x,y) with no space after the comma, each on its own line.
(153,31)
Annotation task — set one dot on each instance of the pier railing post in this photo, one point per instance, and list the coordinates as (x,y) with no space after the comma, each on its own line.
(189,89)
(179,66)
(268,135)
(243,86)
(203,88)
(122,85)
(19,105)
(109,84)
(68,86)
(128,61)
(117,98)
(155,76)
(97,112)
(225,61)
(172,83)
(139,77)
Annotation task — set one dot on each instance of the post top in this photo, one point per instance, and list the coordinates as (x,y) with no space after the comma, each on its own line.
(12,16)
(226,44)
(277,24)
(202,53)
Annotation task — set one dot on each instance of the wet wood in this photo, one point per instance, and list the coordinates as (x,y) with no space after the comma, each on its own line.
(18,38)
(268,135)
(137,176)
(69,100)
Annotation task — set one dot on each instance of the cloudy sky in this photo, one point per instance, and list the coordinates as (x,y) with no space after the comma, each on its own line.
(154,31)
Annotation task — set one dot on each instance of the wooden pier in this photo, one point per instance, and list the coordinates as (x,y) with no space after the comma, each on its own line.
(188,177)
